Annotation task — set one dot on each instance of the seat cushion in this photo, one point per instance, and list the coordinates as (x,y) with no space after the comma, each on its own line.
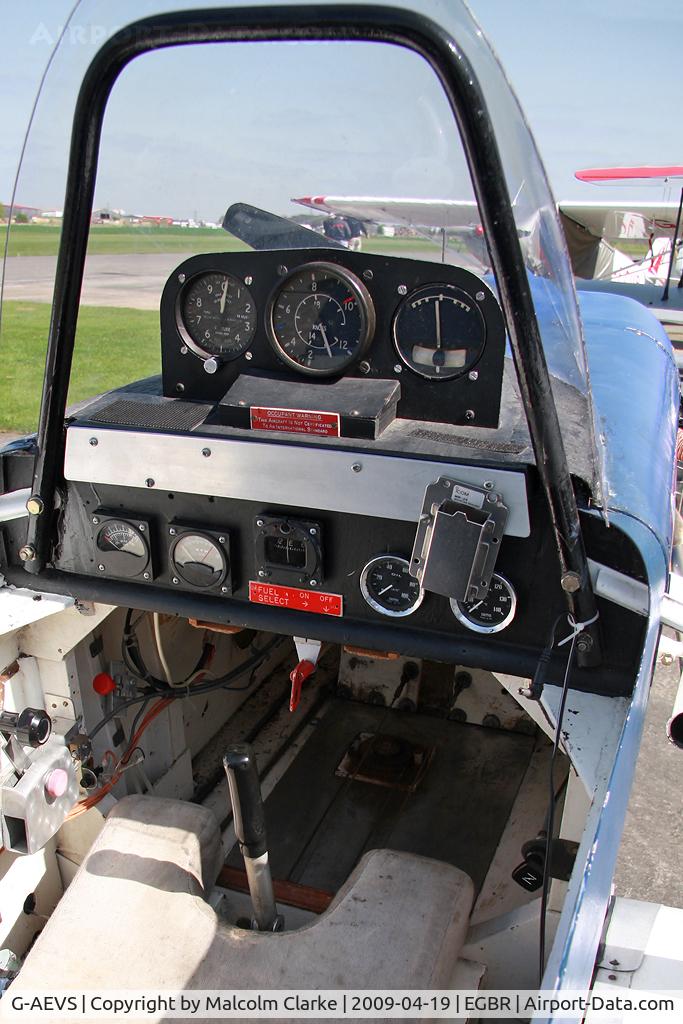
(399,921)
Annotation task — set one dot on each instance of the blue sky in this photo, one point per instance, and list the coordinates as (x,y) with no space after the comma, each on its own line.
(598,82)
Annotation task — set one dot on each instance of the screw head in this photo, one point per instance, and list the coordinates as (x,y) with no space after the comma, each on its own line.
(356,467)
(398,368)
(95,520)
(261,573)
(224,590)
(210,365)
(100,567)
(473,375)
(368,275)
(488,484)
(313,583)
(172,531)
(175,580)
(248,279)
(402,289)
(180,387)
(206,452)
(313,532)
(27,553)
(149,482)
(480,296)
(181,278)
(364,366)
(282,270)
(571,582)
(183,350)
(259,522)
(35,505)
(221,540)
(248,356)
(93,442)
(469,414)
(145,575)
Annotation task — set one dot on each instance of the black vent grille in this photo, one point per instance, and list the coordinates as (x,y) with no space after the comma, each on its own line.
(163,415)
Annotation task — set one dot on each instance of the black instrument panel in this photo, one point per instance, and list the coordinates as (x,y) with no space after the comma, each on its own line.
(317,316)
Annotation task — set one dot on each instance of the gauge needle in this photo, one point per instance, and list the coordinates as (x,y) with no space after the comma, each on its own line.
(327,344)
(475,606)
(223,296)
(437,314)
(385,590)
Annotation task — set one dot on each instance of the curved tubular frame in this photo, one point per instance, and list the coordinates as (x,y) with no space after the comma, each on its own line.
(291,23)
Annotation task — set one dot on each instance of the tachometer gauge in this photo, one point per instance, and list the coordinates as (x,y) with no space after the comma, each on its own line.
(321,319)
(388,587)
(216,316)
(439,331)
(198,560)
(493,612)
(122,549)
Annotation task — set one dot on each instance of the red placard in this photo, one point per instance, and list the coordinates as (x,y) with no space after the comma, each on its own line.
(299,600)
(296,421)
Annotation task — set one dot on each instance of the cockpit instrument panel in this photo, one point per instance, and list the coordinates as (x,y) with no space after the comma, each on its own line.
(317,316)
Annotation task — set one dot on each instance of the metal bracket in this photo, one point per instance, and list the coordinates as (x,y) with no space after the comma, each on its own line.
(457,540)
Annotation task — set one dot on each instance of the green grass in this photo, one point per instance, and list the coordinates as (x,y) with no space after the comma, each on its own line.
(113,347)
(43,240)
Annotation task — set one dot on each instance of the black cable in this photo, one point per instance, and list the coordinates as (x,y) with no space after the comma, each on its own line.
(550,818)
(190,691)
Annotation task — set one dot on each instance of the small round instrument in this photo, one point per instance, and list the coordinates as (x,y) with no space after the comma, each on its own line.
(388,587)
(488,614)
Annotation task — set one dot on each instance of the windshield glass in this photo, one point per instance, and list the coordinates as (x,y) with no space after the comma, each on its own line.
(354,141)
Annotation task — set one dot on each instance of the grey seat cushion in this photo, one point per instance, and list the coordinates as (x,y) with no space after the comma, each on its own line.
(399,921)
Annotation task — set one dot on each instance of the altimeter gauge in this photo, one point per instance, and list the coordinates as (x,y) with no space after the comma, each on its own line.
(216,316)
(321,319)
(489,614)
(439,331)
(388,587)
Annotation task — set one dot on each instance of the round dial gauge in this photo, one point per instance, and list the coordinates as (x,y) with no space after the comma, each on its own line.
(123,548)
(489,614)
(216,316)
(198,560)
(388,587)
(439,331)
(321,319)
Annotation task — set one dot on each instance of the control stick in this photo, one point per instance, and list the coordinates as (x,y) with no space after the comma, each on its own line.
(250,828)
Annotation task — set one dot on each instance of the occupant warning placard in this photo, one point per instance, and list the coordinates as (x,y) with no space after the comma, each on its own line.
(297,421)
(298,600)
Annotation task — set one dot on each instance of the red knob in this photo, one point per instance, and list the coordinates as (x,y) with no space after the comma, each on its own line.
(103,684)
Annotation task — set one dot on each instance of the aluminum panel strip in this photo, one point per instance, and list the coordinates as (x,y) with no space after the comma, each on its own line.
(383,486)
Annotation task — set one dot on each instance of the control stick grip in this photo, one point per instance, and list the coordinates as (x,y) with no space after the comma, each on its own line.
(245,794)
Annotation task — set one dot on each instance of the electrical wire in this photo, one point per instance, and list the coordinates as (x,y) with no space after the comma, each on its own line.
(222,683)
(156,620)
(550,818)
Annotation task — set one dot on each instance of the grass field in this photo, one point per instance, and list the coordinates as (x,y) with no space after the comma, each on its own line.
(43,240)
(113,347)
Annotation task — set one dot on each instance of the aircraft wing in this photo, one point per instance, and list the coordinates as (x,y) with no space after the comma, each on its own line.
(424,213)
(626,219)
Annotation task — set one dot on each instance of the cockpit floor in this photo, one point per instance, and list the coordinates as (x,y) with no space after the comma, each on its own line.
(320,824)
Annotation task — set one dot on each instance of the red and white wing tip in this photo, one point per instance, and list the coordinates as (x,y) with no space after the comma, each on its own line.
(609,175)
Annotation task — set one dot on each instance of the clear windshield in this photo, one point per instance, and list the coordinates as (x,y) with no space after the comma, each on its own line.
(312,132)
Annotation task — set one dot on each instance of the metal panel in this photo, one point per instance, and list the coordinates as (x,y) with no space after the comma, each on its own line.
(382,486)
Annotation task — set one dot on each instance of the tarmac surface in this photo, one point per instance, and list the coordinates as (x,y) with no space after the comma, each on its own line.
(648,865)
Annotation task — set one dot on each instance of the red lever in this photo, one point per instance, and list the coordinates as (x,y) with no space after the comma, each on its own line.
(302,671)
(103,684)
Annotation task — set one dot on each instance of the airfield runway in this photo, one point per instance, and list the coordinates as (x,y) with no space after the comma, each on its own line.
(648,865)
